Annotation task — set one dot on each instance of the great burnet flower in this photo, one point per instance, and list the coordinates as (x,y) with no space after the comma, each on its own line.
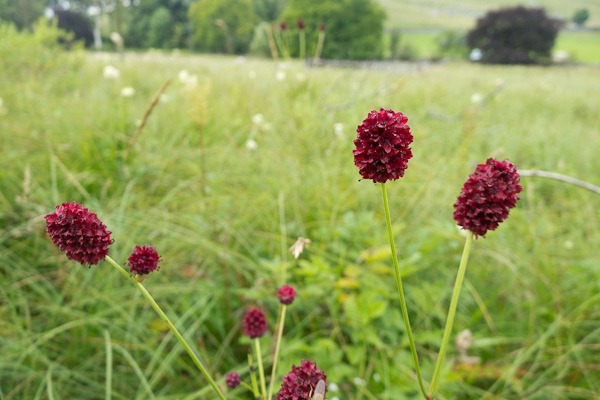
(301,381)
(300,24)
(79,233)
(286,295)
(487,196)
(382,146)
(233,379)
(255,323)
(143,260)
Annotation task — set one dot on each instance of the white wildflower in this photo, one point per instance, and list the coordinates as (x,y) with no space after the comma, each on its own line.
(569,244)
(127,91)
(476,98)
(338,129)
(251,144)
(258,119)
(183,75)
(376,377)
(111,72)
(333,387)
(359,381)
(280,75)
(189,81)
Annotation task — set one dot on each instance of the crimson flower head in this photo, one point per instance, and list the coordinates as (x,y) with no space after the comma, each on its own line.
(255,323)
(233,379)
(301,381)
(78,233)
(300,24)
(487,196)
(143,260)
(322,27)
(283,25)
(286,295)
(382,146)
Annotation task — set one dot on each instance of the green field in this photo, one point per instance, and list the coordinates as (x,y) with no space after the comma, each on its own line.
(582,46)
(461,14)
(223,214)
(422,23)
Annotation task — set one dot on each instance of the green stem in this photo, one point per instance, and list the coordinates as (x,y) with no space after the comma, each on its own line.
(411,339)
(261,371)
(302,45)
(320,41)
(253,377)
(277,346)
(172,327)
(462,269)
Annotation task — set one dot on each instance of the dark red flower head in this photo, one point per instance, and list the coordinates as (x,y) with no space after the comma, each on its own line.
(286,295)
(143,260)
(255,323)
(301,382)
(487,196)
(382,146)
(283,25)
(79,233)
(233,379)
(322,27)
(300,24)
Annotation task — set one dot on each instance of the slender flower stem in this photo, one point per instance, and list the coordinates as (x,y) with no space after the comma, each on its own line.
(253,377)
(277,346)
(261,371)
(172,327)
(320,41)
(302,45)
(462,268)
(411,339)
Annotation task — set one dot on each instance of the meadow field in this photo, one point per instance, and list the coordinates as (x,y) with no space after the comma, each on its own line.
(229,171)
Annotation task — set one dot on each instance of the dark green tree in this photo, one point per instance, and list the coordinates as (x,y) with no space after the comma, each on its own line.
(268,10)
(354,28)
(161,30)
(22,13)
(78,24)
(157,23)
(222,26)
(516,35)
(581,16)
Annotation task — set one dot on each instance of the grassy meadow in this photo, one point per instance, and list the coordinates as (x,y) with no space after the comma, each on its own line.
(223,211)
(461,14)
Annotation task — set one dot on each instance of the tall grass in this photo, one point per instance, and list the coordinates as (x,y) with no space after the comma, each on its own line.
(218,212)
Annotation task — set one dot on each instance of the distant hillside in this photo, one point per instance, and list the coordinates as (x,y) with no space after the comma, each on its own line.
(461,14)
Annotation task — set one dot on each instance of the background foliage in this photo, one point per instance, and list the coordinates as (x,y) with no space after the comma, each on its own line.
(515,35)
(354,27)
(223,215)
(222,26)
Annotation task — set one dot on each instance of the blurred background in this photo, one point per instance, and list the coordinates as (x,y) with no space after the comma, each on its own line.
(220,131)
